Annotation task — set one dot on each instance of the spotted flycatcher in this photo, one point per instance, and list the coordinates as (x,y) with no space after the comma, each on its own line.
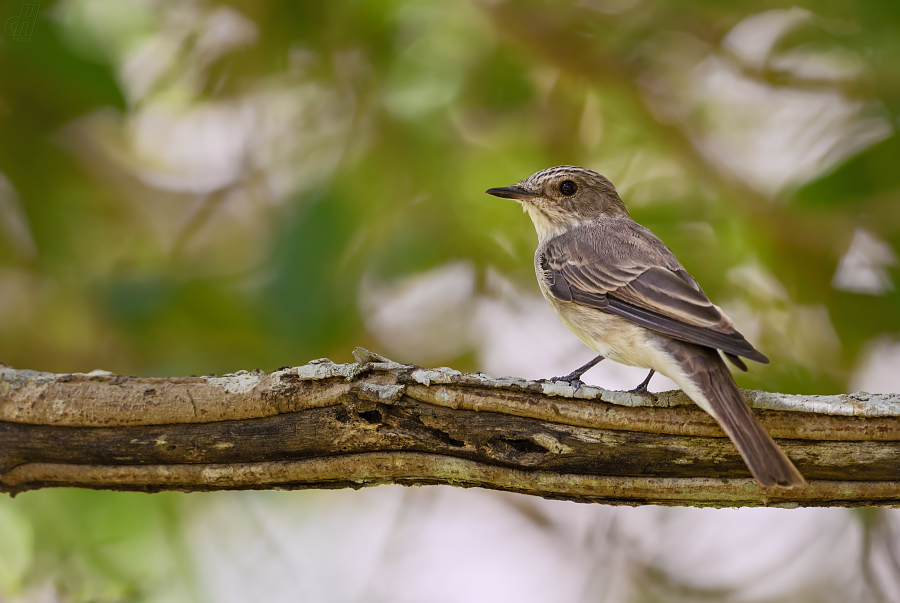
(619,288)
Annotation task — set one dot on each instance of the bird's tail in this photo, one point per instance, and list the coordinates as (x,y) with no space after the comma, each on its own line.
(708,378)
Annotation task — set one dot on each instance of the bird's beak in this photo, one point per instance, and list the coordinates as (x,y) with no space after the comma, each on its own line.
(512,192)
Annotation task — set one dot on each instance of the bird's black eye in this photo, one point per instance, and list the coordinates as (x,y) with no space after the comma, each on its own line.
(568,188)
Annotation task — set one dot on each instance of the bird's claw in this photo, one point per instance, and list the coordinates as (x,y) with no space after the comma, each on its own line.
(572,380)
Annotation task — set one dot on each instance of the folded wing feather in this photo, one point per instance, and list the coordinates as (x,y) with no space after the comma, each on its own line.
(646,285)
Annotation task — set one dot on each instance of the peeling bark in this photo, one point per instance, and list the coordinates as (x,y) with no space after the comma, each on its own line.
(326,425)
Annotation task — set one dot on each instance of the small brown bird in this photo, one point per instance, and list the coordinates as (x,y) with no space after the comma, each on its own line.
(619,288)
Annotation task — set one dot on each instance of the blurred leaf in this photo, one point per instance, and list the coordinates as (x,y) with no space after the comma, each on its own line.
(862,177)
(16,549)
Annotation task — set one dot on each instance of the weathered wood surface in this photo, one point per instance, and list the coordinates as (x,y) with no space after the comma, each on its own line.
(326,425)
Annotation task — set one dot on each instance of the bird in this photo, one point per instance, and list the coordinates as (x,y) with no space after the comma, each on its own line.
(623,292)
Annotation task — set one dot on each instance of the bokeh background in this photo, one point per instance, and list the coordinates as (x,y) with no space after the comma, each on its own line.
(192,187)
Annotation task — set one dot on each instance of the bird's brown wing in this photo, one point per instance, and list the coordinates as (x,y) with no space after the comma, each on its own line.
(618,266)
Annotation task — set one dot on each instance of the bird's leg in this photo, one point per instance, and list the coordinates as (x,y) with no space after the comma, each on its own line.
(642,388)
(574,378)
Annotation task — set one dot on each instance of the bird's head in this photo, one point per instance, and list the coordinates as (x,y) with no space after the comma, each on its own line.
(559,198)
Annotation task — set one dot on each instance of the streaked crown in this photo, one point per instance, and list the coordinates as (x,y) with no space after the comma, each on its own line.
(560,173)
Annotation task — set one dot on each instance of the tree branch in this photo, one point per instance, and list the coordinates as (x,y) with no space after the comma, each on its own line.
(326,425)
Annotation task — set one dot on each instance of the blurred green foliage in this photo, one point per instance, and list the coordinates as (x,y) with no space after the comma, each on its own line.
(200,188)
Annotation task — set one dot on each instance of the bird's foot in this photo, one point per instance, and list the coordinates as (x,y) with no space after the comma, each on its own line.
(573,379)
(642,388)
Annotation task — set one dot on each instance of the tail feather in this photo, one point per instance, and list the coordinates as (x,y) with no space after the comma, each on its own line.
(712,381)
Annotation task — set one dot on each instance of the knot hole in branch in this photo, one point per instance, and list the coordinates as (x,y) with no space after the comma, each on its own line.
(371,416)
(526,446)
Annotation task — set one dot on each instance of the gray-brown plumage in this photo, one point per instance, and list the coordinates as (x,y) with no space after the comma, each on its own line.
(622,291)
